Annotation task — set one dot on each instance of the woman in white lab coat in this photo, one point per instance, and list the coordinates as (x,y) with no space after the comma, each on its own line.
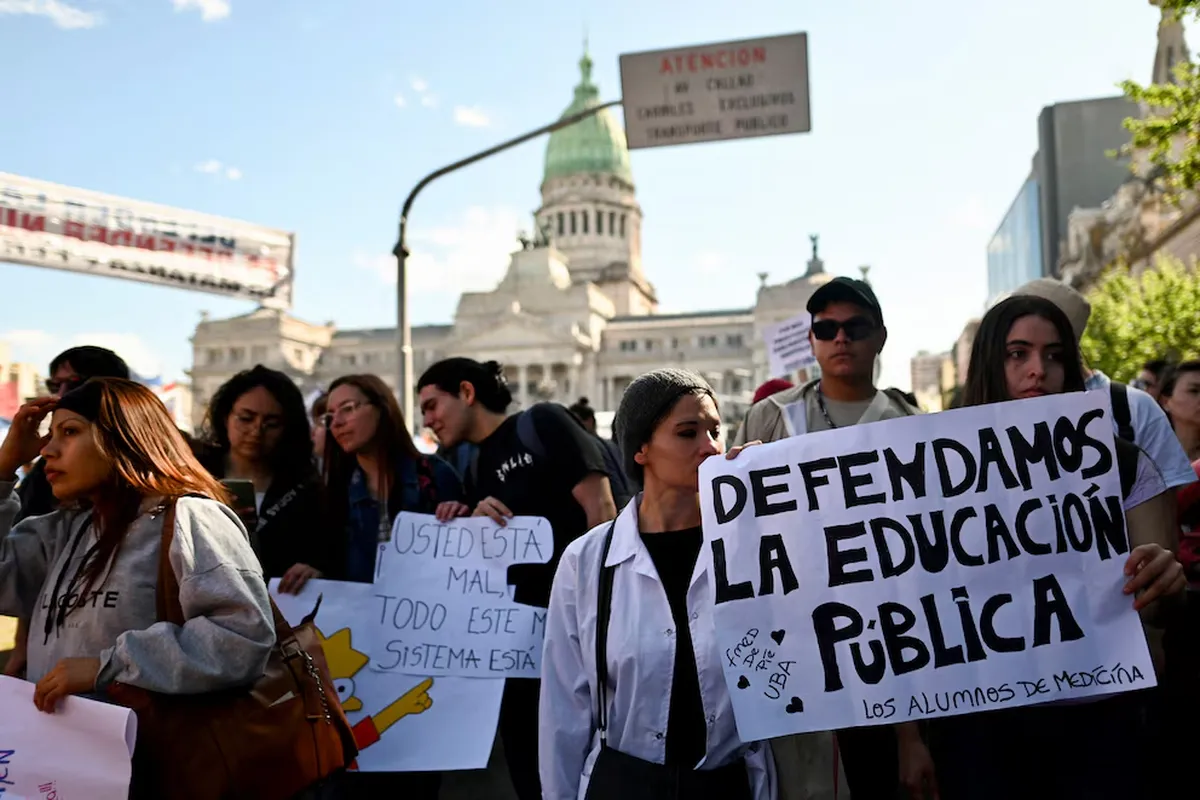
(656,720)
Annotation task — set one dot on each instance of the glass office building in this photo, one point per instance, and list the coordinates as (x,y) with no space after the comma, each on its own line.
(1015,251)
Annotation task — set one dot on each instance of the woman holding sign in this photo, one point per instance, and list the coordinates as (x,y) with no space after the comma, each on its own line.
(85,574)
(373,471)
(634,703)
(1089,748)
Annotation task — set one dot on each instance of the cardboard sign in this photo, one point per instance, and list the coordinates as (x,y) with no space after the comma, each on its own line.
(926,566)
(442,603)
(83,749)
(788,347)
(402,723)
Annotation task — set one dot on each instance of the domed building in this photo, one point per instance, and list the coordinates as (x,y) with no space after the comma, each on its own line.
(574,315)
(589,205)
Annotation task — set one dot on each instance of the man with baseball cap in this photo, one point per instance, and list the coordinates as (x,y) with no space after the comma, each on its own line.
(1137,417)
(847,335)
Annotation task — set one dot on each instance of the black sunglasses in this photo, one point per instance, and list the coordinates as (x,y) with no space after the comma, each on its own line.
(856,328)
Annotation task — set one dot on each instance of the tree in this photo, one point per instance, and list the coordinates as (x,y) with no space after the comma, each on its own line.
(1173,116)
(1137,319)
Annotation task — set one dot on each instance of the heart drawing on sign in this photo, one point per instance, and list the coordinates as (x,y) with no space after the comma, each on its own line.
(795,707)
(743,683)
(778,636)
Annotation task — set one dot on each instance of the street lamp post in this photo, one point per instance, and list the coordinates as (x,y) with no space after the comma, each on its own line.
(404,383)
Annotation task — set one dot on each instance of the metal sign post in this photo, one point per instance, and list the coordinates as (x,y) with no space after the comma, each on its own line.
(404,382)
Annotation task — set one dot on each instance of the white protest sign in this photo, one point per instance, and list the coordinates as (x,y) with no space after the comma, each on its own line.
(83,749)
(402,723)
(922,567)
(788,346)
(442,604)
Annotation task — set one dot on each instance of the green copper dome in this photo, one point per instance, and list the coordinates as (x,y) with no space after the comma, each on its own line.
(595,144)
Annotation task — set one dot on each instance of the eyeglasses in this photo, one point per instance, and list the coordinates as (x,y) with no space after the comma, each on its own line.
(342,411)
(251,421)
(856,328)
(54,386)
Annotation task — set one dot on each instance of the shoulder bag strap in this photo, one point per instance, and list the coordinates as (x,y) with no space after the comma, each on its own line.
(166,599)
(603,613)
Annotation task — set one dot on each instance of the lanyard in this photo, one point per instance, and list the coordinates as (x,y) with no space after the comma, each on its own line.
(824,411)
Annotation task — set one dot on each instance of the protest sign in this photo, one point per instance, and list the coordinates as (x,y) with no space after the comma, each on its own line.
(442,604)
(83,749)
(788,347)
(402,723)
(924,566)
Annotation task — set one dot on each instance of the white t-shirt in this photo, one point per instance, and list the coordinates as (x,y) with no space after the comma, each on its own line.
(1148,484)
(1153,433)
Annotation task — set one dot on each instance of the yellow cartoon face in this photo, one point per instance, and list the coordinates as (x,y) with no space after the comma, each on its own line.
(344,663)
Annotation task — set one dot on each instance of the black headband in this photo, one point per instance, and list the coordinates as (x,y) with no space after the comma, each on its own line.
(84,401)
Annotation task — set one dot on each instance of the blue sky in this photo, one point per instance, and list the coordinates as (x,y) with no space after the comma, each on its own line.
(318,118)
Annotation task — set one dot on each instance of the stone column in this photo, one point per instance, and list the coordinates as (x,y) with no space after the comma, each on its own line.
(548,375)
(573,390)
(523,386)
(609,399)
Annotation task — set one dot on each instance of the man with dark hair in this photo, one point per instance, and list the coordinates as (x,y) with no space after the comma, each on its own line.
(847,336)
(539,462)
(69,369)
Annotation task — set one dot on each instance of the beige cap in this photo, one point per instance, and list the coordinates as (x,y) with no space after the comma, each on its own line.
(1069,301)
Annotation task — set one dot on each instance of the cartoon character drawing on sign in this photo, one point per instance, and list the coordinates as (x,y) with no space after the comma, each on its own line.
(344,663)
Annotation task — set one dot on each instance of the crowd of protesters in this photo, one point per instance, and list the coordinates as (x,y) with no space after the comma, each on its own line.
(273,488)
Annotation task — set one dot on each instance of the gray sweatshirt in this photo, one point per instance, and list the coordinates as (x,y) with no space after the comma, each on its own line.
(229,630)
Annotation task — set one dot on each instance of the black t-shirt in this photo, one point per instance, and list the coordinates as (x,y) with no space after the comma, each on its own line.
(538,485)
(674,555)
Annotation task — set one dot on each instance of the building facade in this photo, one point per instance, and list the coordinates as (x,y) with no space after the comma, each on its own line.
(933,379)
(1072,169)
(1015,250)
(575,315)
(19,382)
(1137,222)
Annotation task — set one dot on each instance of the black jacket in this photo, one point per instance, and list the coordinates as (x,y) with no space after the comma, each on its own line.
(292,521)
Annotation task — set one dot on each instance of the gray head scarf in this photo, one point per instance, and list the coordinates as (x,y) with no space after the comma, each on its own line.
(647,400)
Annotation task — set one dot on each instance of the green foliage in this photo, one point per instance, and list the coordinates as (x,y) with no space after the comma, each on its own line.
(1174,115)
(1137,319)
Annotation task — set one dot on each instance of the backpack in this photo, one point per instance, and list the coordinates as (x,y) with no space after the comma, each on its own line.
(1121,412)
(529,437)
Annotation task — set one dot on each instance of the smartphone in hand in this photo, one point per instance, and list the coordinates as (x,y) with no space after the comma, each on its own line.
(244,503)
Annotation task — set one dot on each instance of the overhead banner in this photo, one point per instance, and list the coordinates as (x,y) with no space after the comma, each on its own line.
(442,603)
(60,227)
(705,93)
(922,567)
(402,723)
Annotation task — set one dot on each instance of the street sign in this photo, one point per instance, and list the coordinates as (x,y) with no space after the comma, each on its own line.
(732,90)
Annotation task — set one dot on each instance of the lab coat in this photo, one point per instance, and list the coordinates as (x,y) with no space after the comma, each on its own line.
(641,658)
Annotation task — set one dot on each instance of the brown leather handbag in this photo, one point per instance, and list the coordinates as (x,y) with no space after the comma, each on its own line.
(268,741)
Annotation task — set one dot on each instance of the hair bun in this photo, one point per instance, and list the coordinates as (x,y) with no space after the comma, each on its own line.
(583,401)
(496,370)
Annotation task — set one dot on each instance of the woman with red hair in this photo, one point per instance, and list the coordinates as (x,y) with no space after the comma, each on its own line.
(85,574)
